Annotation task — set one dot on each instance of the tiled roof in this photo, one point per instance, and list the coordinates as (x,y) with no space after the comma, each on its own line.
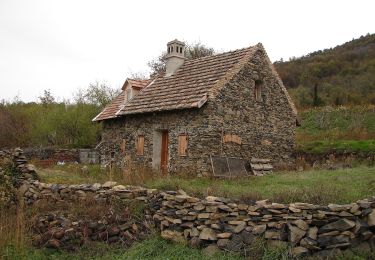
(190,85)
(135,83)
(110,110)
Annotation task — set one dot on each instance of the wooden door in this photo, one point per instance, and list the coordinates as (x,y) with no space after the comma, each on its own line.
(164,151)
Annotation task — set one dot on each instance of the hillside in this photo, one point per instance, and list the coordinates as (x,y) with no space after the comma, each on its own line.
(344,75)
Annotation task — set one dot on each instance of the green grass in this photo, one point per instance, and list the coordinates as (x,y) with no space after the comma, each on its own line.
(73,174)
(337,128)
(152,248)
(314,186)
(158,249)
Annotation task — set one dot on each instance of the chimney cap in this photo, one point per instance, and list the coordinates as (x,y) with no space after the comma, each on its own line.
(176,41)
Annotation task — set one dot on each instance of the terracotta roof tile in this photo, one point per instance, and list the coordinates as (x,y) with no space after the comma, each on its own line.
(189,86)
(136,83)
(110,110)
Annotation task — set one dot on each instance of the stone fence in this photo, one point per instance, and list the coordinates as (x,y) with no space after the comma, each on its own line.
(225,224)
(214,222)
(54,155)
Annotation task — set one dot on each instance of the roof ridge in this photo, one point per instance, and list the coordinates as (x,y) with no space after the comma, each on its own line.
(221,53)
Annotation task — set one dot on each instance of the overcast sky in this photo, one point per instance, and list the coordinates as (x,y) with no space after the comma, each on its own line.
(64,45)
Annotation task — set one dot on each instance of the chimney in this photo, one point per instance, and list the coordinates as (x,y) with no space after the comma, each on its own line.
(175,57)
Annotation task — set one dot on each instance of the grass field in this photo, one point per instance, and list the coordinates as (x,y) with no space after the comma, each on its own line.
(153,248)
(314,186)
(337,128)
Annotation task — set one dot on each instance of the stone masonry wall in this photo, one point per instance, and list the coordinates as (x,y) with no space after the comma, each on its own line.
(229,225)
(266,128)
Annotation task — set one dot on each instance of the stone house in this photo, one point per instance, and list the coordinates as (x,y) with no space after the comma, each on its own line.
(230,104)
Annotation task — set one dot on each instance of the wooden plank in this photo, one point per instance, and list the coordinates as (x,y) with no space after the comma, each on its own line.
(140,145)
(182,144)
(258,160)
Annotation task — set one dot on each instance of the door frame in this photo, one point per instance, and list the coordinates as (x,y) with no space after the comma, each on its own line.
(164,158)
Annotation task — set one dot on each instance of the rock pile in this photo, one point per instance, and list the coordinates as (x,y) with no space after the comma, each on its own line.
(13,170)
(58,230)
(260,167)
(22,167)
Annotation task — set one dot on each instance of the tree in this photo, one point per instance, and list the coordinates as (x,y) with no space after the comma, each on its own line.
(98,93)
(47,98)
(14,126)
(192,51)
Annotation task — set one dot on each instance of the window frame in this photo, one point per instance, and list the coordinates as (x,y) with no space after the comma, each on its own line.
(258,90)
(129,94)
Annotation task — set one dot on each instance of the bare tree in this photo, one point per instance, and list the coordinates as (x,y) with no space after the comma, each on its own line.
(192,51)
(47,97)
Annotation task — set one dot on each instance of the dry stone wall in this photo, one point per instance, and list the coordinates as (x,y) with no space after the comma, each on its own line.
(210,222)
(229,225)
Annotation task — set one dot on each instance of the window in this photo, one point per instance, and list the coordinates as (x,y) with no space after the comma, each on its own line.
(129,94)
(140,145)
(182,144)
(258,90)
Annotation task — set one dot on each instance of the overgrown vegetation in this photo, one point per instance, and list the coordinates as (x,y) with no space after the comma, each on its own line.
(337,128)
(52,123)
(17,226)
(343,75)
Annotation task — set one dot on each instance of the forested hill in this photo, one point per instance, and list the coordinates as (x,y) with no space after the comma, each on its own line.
(344,75)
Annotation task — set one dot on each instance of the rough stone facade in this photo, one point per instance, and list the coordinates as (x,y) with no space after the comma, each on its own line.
(266,127)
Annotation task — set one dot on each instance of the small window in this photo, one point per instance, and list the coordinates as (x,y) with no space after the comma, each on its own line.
(172,49)
(140,145)
(180,49)
(129,94)
(258,90)
(169,49)
(182,144)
